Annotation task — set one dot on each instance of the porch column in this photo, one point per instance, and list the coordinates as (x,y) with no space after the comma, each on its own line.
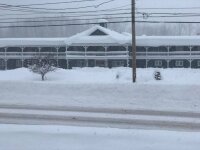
(168,51)
(66,57)
(106,60)
(86,60)
(39,50)
(57,55)
(127,60)
(168,63)
(22,57)
(190,56)
(147,63)
(190,61)
(146,57)
(6,64)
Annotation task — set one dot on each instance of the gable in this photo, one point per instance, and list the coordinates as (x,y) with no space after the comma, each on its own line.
(97,33)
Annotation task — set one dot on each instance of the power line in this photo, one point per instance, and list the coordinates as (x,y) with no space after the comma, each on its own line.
(55,3)
(66,20)
(171,8)
(89,19)
(51,9)
(33,13)
(93,23)
(58,25)
(64,12)
(69,16)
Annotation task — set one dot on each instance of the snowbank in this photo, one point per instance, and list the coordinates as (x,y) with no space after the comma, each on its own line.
(87,138)
(98,87)
(105,75)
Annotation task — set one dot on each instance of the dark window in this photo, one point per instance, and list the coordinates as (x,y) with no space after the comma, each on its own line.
(158,63)
(157,49)
(119,63)
(14,49)
(2,50)
(75,48)
(198,63)
(18,63)
(62,49)
(2,63)
(48,49)
(179,63)
(116,48)
(140,49)
(95,48)
(80,63)
(179,48)
(31,49)
(196,48)
(98,32)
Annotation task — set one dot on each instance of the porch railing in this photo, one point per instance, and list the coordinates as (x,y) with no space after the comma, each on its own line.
(104,55)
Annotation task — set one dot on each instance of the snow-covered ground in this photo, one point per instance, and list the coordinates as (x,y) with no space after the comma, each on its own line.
(98,87)
(105,75)
(21,137)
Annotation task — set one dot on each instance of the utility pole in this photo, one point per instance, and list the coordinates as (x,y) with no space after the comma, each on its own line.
(133,42)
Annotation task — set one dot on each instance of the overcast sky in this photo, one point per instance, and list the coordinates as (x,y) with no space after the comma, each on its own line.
(5,15)
(116,3)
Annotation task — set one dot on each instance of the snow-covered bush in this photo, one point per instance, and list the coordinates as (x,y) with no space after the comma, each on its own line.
(157,75)
(43,65)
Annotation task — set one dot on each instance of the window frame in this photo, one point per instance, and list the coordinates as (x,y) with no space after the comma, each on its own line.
(179,63)
(158,63)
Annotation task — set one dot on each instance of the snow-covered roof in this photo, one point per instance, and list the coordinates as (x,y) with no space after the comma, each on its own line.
(5,42)
(106,37)
(85,37)
(167,40)
(102,21)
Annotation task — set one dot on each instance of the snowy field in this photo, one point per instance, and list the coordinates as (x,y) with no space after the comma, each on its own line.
(21,137)
(105,75)
(98,87)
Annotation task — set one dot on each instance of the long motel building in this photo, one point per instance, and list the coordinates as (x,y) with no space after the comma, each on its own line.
(101,47)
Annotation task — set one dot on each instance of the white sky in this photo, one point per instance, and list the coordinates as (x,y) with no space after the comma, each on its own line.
(117,3)
(114,4)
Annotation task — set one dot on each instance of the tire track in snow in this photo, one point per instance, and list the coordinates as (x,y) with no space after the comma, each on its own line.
(102,117)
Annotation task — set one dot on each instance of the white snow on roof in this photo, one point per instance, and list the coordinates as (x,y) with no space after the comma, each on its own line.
(85,37)
(111,37)
(5,42)
(167,40)
(102,21)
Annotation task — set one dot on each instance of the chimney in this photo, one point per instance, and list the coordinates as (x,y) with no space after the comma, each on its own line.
(103,23)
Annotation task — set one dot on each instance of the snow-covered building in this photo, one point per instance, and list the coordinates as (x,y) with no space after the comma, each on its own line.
(102,47)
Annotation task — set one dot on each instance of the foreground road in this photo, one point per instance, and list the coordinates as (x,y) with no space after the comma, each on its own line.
(99,117)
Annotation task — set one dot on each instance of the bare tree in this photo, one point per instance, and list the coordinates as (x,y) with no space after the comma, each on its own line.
(43,64)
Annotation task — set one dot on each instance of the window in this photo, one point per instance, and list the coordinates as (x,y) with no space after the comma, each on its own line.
(179,48)
(158,63)
(80,63)
(179,63)
(198,63)
(118,64)
(18,63)
(2,64)
(97,33)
